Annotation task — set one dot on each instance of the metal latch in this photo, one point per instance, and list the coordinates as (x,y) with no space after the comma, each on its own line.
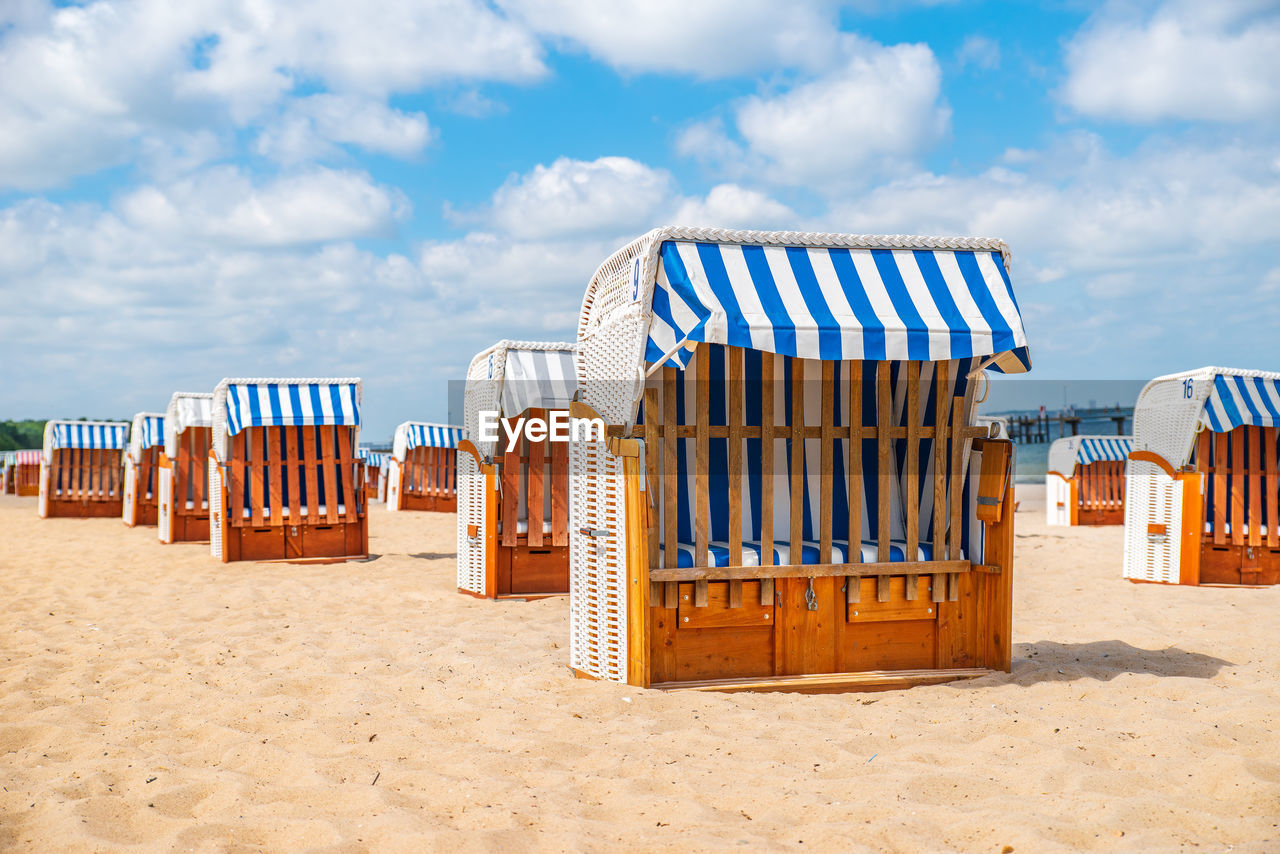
(811,598)
(599,535)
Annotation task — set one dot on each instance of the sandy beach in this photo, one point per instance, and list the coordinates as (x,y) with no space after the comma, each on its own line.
(154,699)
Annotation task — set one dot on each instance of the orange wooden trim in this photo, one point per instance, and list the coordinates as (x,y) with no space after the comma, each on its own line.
(1061,475)
(1152,457)
(1192,527)
(466,446)
(1158,530)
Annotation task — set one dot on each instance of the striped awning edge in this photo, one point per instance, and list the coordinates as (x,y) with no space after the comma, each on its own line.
(101,435)
(1239,400)
(418,434)
(284,403)
(21,458)
(1104,450)
(538,379)
(834,303)
(147,432)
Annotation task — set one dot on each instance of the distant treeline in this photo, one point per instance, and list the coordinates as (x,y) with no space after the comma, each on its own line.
(21,435)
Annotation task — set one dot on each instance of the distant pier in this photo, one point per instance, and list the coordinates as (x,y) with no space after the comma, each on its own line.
(1039,428)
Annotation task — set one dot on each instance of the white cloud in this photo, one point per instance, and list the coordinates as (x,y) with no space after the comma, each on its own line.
(89,86)
(1171,242)
(609,195)
(1186,60)
(311,126)
(980,52)
(222,206)
(731,206)
(708,38)
(869,117)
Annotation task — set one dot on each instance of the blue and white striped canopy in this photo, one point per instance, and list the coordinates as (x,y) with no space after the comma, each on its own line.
(835,303)
(151,430)
(538,379)
(113,436)
(1104,450)
(412,435)
(1241,401)
(283,404)
(373,459)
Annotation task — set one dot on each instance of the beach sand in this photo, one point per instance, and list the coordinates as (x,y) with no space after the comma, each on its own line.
(152,698)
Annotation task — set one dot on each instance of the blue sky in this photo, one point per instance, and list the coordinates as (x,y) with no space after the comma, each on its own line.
(239,187)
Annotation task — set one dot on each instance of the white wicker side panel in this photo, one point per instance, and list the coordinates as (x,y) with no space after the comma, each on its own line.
(383,474)
(129,511)
(164,493)
(216,517)
(44,489)
(1152,498)
(1057,498)
(597,564)
(392,496)
(471,504)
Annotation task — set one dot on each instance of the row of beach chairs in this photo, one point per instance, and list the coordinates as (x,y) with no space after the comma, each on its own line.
(784,485)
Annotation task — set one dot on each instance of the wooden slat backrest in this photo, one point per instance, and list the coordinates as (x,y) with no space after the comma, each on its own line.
(559,493)
(511,494)
(85,474)
(535,485)
(347,471)
(942,417)
(275,468)
(893,429)
(702,505)
(654,483)
(1271,486)
(290,472)
(735,358)
(1253,466)
(911,485)
(853,585)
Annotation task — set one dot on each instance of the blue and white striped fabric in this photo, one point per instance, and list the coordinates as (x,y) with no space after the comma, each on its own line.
(373,459)
(89,435)
(291,404)
(538,379)
(431,436)
(1104,450)
(152,431)
(755,481)
(1241,401)
(870,304)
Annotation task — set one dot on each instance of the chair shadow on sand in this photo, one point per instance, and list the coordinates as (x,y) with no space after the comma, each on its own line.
(1051,661)
(434,555)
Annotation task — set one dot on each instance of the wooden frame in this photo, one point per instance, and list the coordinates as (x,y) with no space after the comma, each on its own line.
(1097,493)
(84,483)
(827,626)
(146,474)
(271,497)
(535,562)
(26,479)
(1236,471)
(429,480)
(186,510)
(371,477)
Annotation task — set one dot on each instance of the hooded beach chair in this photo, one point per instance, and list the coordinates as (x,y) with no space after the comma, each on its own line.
(373,462)
(1203,486)
(184,468)
(141,492)
(22,472)
(284,478)
(792,494)
(1085,481)
(81,468)
(423,467)
(513,498)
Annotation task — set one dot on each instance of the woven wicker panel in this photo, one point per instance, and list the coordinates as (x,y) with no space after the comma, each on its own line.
(216,520)
(164,478)
(1152,498)
(129,511)
(1167,413)
(597,565)
(1057,492)
(471,501)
